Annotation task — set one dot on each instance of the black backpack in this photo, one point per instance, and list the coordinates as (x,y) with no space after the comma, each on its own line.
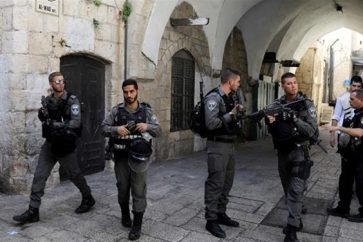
(197,116)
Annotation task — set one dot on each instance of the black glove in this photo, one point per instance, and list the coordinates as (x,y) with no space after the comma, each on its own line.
(289,116)
(41,115)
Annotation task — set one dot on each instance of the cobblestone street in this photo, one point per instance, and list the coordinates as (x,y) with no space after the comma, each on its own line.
(175,209)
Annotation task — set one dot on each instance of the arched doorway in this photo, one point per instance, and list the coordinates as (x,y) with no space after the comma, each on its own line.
(85,78)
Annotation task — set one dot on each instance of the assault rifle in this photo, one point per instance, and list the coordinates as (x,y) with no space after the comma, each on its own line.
(277,108)
(47,121)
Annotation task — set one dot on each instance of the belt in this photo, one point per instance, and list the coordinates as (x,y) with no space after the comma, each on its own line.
(222,139)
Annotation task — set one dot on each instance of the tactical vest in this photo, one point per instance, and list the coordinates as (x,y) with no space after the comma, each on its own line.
(347,109)
(229,103)
(57,108)
(58,111)
(121,144)
(284,133)
(357,142)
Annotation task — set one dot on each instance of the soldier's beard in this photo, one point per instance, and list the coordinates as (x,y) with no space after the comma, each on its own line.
(130,100)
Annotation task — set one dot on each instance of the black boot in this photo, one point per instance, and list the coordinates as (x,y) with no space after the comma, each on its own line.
(225,220)
(86,204)
(213,227)
(338,211)
(301,226)
(135,231)
(291,234)
(125,216)
(29,216)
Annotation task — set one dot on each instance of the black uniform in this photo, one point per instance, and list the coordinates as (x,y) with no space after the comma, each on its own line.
(291,138)
(60,144)
(220,146)
(357,157)
(129,176)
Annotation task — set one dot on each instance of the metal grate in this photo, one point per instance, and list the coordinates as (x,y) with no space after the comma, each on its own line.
(182,90)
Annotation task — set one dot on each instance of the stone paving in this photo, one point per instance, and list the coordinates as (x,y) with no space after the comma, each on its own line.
(175,209)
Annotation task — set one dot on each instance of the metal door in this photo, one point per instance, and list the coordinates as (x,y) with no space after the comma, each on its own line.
(85,77)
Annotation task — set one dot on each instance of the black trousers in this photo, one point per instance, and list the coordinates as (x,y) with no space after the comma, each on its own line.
(346,181)
(359,181)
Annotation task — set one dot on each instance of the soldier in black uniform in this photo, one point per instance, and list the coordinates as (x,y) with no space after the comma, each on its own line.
(355,131)
(222,106)
(291,133)
(61,121)
(131,126)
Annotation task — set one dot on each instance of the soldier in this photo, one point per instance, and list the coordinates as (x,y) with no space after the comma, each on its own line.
(61,121)
(343,114)
(291,133)
(221,110)
(130,126)
(355,132)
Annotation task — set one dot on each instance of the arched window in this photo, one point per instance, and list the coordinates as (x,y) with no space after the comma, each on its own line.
(182,90)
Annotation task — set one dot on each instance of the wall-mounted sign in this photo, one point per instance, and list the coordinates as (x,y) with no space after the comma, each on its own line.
(47,6)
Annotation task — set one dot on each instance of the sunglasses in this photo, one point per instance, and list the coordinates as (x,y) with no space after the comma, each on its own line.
(61,81)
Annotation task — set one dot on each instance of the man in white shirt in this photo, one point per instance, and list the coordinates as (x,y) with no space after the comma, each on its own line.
(344,112)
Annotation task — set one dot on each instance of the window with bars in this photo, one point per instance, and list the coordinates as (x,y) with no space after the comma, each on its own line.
(182,90)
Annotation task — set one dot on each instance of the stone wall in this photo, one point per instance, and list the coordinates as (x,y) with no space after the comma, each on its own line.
(193,40)
(31,46)
(310,76)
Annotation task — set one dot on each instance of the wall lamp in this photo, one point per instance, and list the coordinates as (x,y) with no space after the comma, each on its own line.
(188,21)
(338,7)
(290,63)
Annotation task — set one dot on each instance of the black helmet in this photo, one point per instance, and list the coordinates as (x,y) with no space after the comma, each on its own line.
(139,153)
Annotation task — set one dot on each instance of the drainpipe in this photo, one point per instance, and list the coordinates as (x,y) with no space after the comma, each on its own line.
(331,71)
(125,50)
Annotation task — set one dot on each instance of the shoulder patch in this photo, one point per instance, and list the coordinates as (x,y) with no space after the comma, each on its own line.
(312,111)
(75,109)
(211,104)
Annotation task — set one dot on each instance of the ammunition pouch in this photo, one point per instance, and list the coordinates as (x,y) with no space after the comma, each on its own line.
(63,141)
(46,131)
(301,163)
(120,146)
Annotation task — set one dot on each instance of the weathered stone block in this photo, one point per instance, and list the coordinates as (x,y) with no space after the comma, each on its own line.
(16,81)
(36,21)
(17,63)
(20,16)
(6,18)
(71,7)
(15,42)
(51,24)
(40,44)
(78,40)
(106,50)
(38,64)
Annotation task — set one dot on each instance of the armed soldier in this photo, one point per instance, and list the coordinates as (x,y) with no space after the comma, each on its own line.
(131,126)
(61,119)
(291,132)
(343,114)
(355,143)
(221,111)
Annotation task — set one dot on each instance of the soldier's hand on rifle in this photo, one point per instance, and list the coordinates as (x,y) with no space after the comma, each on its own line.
(237,109)
(41,115)
(270,119)
(122,130)
(289,116)
(141,127)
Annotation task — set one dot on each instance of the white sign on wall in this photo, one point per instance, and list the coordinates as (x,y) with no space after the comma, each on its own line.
(47,6)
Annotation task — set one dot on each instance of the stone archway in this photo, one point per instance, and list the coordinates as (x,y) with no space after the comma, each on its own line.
(193,40)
